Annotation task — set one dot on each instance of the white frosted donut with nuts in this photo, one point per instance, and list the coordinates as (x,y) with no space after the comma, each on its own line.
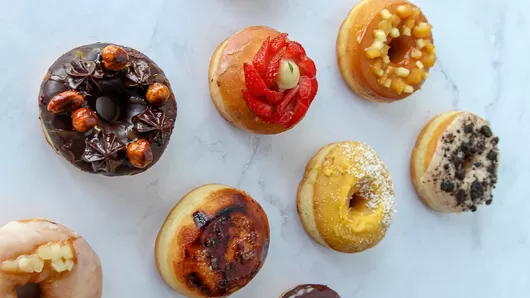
(58,260)
(385,49)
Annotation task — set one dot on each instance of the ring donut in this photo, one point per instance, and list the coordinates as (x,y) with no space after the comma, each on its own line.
(385,49)
(454,163)
(213,242)
(42,252)
(107,109)
(346,198)
(310,291)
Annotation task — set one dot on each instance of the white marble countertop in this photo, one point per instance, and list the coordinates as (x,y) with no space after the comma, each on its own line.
(483,67)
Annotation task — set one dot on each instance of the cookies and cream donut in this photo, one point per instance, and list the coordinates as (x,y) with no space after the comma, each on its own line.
(454,163)
(346,197)
(385,49)
(262,82)
(107,109)
(213,242)
(310,291)
(39,251)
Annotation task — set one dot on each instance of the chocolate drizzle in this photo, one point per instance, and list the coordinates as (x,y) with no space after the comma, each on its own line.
(81,69)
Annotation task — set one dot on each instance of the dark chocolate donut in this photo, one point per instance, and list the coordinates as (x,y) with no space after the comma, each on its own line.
(310,291)
(130,129)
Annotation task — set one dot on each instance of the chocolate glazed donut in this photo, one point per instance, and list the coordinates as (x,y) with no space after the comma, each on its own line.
(213,242)
(129,129)
(310,291)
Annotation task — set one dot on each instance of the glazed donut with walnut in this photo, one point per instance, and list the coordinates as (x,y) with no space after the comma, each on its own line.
(454,163)
(107,109)
(38,251)
(213,242)
(262,82)
(385,49)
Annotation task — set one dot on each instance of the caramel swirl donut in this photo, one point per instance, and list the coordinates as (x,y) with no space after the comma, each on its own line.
(346,198)
(213,242)
(107,109)
(385,49)
(454,163)
(262,82)
(310,291)
(39,251)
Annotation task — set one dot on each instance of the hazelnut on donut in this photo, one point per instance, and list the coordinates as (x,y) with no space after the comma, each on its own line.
(58,260)
(98,101)
(262,82)
(385,49)
(454,163)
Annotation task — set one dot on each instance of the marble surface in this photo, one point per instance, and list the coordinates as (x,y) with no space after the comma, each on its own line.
(483,67)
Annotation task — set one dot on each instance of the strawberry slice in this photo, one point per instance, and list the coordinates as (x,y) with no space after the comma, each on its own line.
(299,110)
(278,118)
(287,99)
(278,42)
(255,105)
(273,97)
(274,68)
(314,90)
(307,67)
(253,81)
(262,57)
(294,50)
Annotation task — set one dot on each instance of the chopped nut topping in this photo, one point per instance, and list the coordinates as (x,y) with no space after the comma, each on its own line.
(408,89)
(422,30)
(415,53)
(406,31)
(419,64)
(380,35)
(394,32)
(404,11)
(402,72)
(385,14)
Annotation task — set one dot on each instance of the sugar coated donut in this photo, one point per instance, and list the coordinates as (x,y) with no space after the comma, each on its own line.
(454,163)
(385,49)
(262,82)
(213,242)
(107,109)
(310,291)
(346,198)
(42,252)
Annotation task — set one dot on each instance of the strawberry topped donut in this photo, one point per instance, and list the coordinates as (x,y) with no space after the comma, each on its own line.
(261,81)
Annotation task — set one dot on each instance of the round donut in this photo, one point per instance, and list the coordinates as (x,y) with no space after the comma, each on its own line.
(385,49)
(107,109)
(213,242)
(310,291)
(454,163)
(346,198)
(262,82)
(42,252)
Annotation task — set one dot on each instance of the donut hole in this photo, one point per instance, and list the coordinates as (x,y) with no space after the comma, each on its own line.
(400,48)
(356,201)
(28,291)
(108,108)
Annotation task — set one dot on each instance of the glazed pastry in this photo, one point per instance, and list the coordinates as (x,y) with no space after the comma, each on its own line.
(346,198)
(107,109)
(38,251)
(262,82)
(310,291)
(385,49)
(213,242)
(454,163)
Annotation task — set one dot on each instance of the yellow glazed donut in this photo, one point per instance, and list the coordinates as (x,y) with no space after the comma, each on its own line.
(58,260)
(385,49)
(346,198)
(454,163)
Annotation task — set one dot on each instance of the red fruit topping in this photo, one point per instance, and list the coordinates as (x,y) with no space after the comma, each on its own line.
(253,81)
(307,67)
(262,95)
(262,57)
(294,50)
(278,42)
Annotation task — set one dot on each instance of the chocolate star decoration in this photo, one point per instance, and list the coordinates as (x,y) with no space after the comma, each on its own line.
(102,151)
(156,123)
(82,74)
(139,75)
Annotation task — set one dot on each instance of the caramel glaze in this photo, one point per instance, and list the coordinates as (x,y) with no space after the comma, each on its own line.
(130,102)
(226,247)
(310,291)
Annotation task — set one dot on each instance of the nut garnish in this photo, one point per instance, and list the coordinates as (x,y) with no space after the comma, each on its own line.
(84,119)
(158,94)
(402,72)
(288,75)
(385,14)
(65,102)
(140,154)
(9,266)
(114,58)
(60,256)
